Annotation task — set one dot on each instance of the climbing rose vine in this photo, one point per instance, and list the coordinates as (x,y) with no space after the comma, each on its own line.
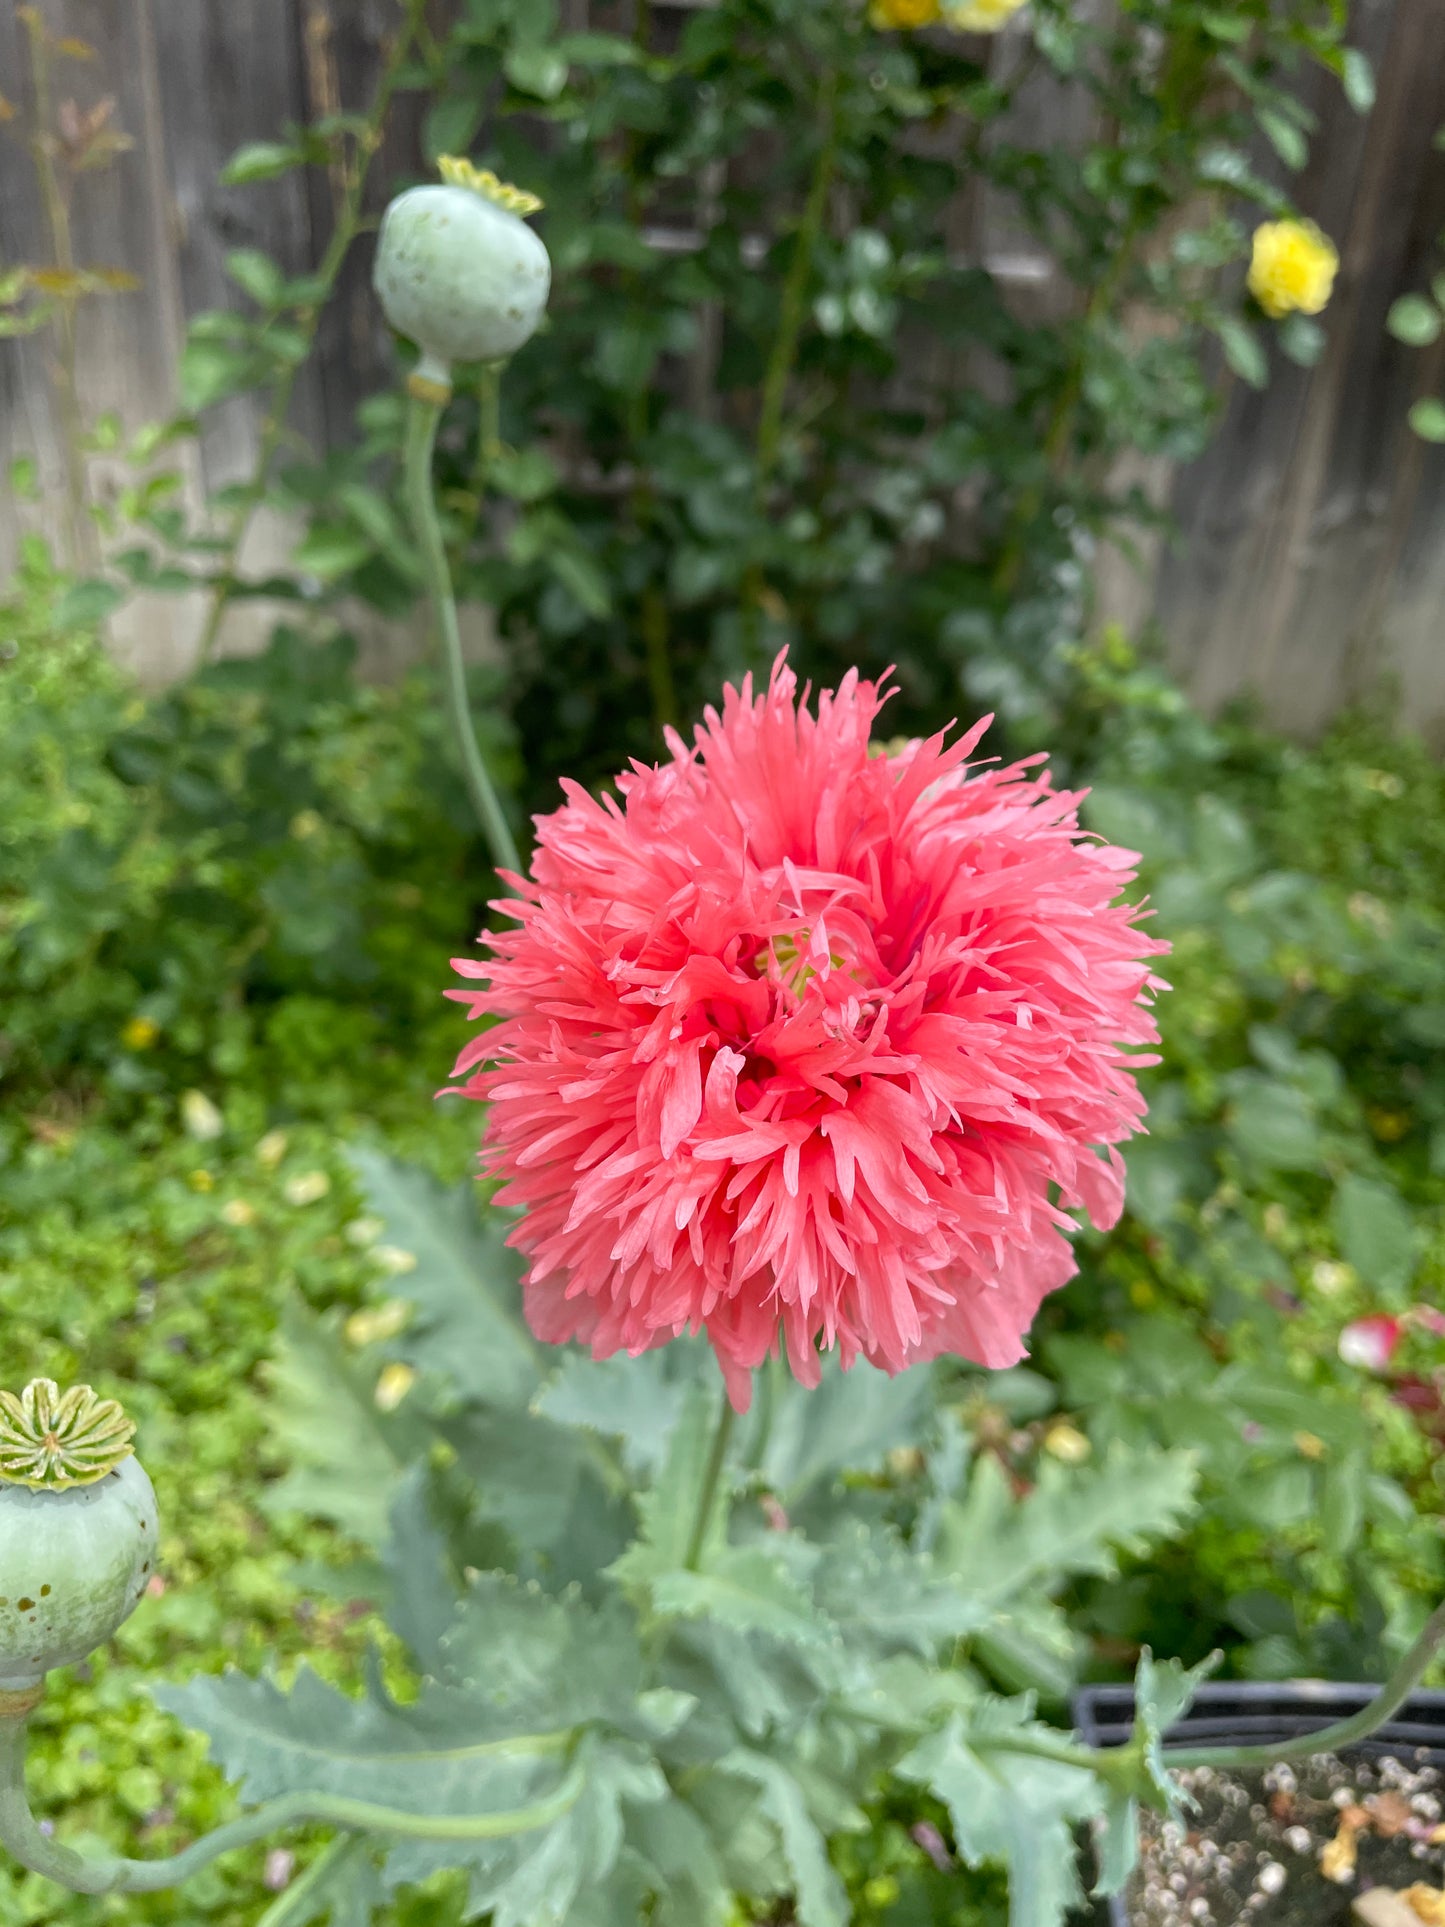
(807,1038)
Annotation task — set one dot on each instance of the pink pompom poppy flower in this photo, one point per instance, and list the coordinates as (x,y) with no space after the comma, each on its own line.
(807,1041)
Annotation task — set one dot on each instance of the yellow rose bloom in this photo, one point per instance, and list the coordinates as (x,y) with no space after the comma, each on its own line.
(982,16)
(1292,268)
(904,13)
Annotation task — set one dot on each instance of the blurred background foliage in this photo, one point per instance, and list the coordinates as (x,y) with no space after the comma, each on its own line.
(226,908)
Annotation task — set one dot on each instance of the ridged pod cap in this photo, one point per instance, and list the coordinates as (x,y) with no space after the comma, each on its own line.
(78,1528)
(459,271)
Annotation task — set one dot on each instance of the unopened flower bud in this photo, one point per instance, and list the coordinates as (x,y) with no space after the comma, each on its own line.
(459,271)
(78,1529)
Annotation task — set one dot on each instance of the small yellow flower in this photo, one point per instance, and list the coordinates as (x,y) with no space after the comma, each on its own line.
(1309,1445)
(238,1211)
(271,1149)
(377,1322)
(982,16)
(307,1188)
(1292,268)
(904,13)
(140,1033)
(362,1232)
(394,1260)
(201,1118)
(306,823)
(393,1385)
(202,1181)
(1067,1443)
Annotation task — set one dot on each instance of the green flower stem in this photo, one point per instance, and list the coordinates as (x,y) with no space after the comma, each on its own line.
(1329,1739)
(784,352)
(423,414)
(112,1873)
(711,1481)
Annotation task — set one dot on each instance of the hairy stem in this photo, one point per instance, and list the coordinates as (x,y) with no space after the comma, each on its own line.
(1329,1739)
(113,1873)
(343,234)
(707,1498)
(423,415)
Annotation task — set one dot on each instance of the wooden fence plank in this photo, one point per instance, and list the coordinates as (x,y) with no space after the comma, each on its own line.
(1313,531)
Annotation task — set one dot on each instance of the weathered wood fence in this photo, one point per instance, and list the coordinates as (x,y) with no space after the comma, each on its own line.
(1311,555)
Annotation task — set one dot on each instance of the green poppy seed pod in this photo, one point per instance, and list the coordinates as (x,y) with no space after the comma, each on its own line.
(459,271)
(78,1530)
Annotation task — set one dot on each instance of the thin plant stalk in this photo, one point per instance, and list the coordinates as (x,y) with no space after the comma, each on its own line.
(349,222)
(424,412)
(784,352)
(712,1480)
(114,1873)
(1329,1739)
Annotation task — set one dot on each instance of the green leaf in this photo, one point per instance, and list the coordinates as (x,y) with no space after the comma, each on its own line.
(535,69)
(423,1606)
(744,1587)
(1344,1483)
(451,125)
(447,1756)
(331,550)
(1415,320)
(885,1598)
(1284,137)
(669,1509)
(468,1327)
(1427,418)
(822,1900)
(1302,339)
(1163,1693)
(847,1423)
(636,1400)
(687,1874)
(86,604)
(1074,1522)
(1376,1233)
(260,161)
(541,1665)
(1242,350)
(1358,78)
(257,275)
(374,515)
(212,370)
(1116,1842)
(346,1456)
(1229,27)
(525,474)
(1010,1807)
(1272,1123)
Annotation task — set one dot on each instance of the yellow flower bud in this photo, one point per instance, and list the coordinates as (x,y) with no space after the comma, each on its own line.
(1067,1443)
(982,16)
(1292,268)
(904,13)
(393,1385)
(140,1033)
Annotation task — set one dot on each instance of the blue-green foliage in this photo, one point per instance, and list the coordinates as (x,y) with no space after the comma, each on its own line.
(714,1693)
